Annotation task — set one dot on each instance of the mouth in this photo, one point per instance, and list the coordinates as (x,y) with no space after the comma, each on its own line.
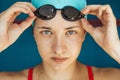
(59,60)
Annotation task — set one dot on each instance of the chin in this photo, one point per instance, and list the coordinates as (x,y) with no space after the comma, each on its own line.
(61,66)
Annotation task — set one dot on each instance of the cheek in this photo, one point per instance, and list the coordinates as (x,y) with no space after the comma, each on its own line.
(75,44)
(43,45)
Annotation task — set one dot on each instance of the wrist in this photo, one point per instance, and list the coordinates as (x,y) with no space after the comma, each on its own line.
(114,51)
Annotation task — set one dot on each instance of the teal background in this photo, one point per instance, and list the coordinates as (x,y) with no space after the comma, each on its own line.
(23,53)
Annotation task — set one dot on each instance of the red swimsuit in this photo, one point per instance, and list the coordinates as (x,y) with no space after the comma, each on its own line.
(90,75)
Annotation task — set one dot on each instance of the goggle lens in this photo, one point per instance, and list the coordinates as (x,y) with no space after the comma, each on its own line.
(69,13)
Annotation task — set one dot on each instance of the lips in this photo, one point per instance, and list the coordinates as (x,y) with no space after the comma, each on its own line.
(58,60)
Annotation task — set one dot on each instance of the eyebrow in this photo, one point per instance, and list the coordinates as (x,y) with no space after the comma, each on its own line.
(51,28)
(44,27)
(72,27)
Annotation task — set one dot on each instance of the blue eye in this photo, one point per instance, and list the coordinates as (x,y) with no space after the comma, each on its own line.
(46,32)
(71,32)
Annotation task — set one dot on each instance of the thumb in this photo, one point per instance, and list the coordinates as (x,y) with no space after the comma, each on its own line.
(87,26)
(27,23)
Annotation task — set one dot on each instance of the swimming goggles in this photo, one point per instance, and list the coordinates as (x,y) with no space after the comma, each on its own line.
(47,12)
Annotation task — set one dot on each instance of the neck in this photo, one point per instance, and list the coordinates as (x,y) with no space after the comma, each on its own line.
(59,74)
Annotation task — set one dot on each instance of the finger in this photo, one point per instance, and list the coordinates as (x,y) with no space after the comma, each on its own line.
(90,8)
(103,12)
(16,14)
(10,14)
(25,24)
(28,4)
(26,8)
(13,18)
(87,26)
(97,10)
(16,9)
(94,10)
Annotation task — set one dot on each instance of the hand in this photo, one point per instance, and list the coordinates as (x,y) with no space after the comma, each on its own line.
(10,31)
(106,36)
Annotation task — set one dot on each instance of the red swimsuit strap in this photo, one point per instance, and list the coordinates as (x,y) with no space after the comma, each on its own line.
(30,74)
(90,74)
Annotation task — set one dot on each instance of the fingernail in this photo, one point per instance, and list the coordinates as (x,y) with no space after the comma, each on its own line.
(31,14)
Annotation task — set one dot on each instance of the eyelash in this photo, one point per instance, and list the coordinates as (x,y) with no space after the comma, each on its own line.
(73,32)
(47,32)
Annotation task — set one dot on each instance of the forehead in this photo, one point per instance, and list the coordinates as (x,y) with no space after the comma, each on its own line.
(58,21)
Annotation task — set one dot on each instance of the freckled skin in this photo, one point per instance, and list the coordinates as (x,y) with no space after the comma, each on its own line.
(59,42)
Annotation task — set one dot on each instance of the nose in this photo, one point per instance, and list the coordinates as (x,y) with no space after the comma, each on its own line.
(59,46)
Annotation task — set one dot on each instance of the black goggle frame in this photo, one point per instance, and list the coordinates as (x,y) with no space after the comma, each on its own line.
(47,12)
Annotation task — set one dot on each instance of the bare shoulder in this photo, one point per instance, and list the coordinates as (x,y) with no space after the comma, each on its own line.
(21,75)
(106,73)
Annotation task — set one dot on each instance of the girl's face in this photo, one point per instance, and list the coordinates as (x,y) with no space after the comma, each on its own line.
(59,41)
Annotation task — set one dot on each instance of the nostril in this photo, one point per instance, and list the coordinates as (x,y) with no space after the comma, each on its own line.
(57,54)
(59,50)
